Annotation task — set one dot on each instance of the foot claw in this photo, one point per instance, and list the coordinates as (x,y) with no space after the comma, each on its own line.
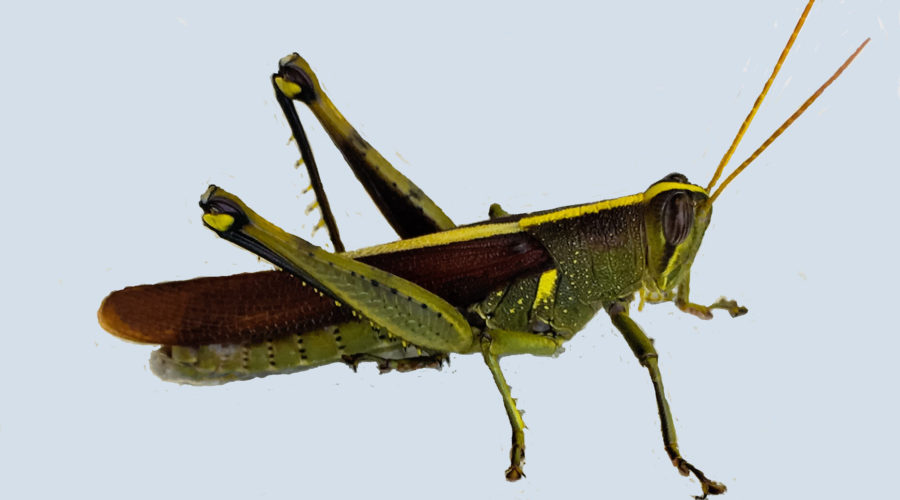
(731,306)
(351,361)
(514,473)
(713,488)
(709,486)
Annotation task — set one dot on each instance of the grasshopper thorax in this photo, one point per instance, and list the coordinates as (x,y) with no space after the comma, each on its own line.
(676,215)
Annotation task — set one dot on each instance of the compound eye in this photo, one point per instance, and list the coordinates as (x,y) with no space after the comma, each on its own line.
(677,217)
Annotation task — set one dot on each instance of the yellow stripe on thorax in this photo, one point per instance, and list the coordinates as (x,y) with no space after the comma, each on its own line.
(545,289)
(440,238)
(572,212)
(493,229)
(659,187)
(601,206)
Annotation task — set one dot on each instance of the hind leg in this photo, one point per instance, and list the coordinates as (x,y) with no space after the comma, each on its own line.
(405,206)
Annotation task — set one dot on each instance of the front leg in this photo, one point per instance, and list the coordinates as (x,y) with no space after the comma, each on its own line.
(646,354)
(705,312)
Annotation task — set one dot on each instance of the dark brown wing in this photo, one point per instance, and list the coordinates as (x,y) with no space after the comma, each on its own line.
(256,306)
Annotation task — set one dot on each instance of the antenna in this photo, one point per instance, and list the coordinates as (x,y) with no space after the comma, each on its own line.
(787,123)
(740,135)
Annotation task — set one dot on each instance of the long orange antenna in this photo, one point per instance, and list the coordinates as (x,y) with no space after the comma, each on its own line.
(759,100)
(787,123)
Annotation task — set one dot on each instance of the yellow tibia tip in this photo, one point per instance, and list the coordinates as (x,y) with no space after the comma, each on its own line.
(289,89)
(219,222)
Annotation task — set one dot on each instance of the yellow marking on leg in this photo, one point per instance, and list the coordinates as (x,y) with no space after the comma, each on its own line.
(289,89)
(577,211)
(219,222)
(319,225)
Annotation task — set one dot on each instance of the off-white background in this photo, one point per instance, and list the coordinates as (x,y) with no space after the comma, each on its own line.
(115,118)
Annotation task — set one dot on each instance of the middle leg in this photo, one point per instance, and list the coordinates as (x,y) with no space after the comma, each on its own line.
(496,343)
(705,312)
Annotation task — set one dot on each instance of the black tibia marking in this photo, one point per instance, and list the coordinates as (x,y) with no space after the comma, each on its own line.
(402,210)
(290,113)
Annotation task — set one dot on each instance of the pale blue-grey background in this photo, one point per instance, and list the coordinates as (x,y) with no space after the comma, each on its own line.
(114,118)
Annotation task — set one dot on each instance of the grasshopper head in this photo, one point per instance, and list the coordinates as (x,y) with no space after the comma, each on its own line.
(677,212)
(295,79)
(676,216)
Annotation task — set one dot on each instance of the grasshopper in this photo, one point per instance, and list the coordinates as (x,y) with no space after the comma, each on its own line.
(514,284)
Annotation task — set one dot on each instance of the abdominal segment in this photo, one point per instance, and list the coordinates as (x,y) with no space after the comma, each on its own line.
(213,364)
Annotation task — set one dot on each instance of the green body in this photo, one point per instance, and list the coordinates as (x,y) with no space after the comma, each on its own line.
(597,257)
(600,255)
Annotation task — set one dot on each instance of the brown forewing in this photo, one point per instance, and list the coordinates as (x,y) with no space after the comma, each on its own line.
(264,305)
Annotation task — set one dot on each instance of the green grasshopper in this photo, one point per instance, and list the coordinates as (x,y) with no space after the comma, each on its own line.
(514,284)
